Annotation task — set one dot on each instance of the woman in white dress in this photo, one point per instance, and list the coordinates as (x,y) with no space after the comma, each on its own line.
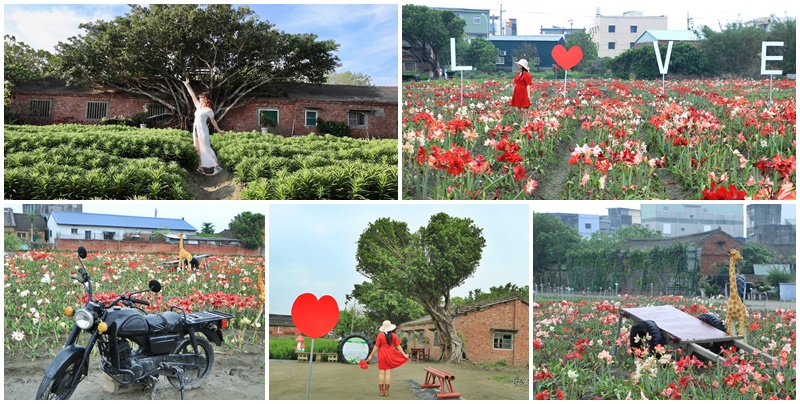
(202,142)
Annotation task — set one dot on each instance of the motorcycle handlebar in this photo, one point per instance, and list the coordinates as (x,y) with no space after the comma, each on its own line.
(139,301)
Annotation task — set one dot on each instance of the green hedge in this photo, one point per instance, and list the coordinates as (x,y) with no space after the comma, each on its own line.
(284,348)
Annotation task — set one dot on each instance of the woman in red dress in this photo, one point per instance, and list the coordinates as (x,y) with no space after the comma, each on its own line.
(521,99)
(390,357)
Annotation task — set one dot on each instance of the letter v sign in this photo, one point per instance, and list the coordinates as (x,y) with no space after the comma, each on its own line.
(663,66)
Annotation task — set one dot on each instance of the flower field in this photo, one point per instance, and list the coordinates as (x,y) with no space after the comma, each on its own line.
(38,285)
(706,139)
(573,344)
(117,162)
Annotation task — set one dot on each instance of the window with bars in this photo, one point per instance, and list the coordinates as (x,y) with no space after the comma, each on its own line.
(410,66)
(311,118)
(503,340)
(96,110)
(357,119)
(39,108)
(156,109)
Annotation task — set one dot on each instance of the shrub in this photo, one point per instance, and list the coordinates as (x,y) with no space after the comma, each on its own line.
(335,128)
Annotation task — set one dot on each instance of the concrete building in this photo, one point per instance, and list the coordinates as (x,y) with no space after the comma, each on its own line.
(765,226)
(616,34)
(477,26)
(621,217)
(493,330)
(674,220)
(585,224)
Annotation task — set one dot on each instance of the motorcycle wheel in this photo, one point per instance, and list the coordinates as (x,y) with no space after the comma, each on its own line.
(194,378)
(55,388)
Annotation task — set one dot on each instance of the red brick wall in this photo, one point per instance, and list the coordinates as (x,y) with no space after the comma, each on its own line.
(151,247)
(74,106)
(291,117)
(281,331)
(712,254)
(477,329)
(241,119)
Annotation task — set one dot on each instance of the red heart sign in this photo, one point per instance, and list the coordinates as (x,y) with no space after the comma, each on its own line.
(315,318)
(567,59)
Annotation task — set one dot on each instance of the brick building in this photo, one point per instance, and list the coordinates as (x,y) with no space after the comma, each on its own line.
(369,111)
(493,330)
(281,325)
(713,247)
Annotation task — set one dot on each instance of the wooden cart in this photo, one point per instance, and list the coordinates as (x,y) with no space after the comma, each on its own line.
(173,265)
(683,330)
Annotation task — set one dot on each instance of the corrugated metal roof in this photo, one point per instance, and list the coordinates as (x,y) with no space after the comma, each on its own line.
(667,35)
(529,38)
(105,220)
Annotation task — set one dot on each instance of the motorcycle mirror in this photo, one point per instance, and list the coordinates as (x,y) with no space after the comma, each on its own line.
(154,286)
(82,252)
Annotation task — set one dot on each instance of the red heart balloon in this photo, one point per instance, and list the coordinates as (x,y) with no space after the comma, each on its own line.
(567,59)
(315,318)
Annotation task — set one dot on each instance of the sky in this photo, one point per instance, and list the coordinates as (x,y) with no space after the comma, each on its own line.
(532,15)
(789,211)
(195,213)
(367,34)
(312,247)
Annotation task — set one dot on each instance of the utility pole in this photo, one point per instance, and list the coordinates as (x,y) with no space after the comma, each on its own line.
(502,22)
(688,22)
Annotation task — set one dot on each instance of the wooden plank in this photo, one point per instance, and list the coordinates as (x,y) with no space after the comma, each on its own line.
(681,326)
(704,352)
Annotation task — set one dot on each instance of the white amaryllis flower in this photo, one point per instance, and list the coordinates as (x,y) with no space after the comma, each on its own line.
(17,335)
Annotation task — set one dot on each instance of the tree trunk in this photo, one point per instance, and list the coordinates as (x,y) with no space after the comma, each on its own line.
(447,331)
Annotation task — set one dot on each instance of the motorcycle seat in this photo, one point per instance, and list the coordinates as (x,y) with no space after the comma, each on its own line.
(163,322)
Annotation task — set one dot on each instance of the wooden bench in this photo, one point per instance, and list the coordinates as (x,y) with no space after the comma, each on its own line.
(436,378)
(303,356)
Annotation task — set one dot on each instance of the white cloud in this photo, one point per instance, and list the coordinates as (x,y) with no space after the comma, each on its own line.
(42,27)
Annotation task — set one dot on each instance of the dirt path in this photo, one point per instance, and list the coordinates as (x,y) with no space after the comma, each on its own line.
(553,184)
(673,189)
(338,381)
(236,376)
(217,187)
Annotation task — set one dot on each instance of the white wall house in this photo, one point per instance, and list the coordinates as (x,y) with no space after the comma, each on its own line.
(616,34)
(94,226)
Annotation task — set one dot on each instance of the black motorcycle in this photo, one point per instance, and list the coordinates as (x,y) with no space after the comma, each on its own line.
(134,346)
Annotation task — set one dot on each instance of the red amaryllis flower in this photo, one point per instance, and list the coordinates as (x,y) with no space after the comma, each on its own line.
(519,172)
(363,364)
(721,193)
(422,155)
(671,392)
(544,395)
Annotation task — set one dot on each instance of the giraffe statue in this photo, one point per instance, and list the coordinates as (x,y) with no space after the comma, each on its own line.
(736,311)
(183,254)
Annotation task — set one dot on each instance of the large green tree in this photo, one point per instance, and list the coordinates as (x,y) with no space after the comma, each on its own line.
(736,49)
(349,78)
(424,265)
(427,33)
(784,30)
(21,63)
(386,303)
(552,239)
(583,39)
(525,51)
(482,55)
(754,253)
(248,228)
(224,50)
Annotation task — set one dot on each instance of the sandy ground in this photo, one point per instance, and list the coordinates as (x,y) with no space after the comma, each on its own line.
(236,376)
(217,187)
(338,381)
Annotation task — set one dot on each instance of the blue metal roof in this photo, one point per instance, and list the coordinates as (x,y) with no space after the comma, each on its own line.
(104,220)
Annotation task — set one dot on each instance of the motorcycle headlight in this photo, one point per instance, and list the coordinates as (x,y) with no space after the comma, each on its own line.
(84,319)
